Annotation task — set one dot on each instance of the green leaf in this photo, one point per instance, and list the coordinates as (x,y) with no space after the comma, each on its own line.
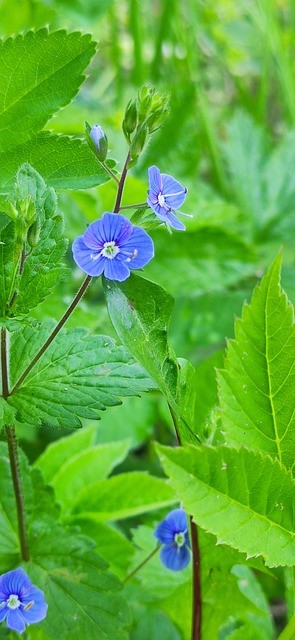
(82,596)
(43,268)
(140,312)
(95,462)
(64,162)
(78,376)
(230,493)
(47,86)
(10,252)
(7,413)
(256,388)
(123,496)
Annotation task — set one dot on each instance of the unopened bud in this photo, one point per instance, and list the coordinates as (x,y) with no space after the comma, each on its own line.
(138,142)
(130,119)
(33,236)
(26,208)
(97,141)
(156,118)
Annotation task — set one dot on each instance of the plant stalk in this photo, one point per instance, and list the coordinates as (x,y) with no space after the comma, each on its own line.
(13,456)
(55,331)
(141,564)
(121,184)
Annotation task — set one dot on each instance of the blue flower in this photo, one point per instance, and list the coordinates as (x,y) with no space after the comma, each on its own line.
(173,534)
(113,246)
(165,195)
(97,141)
(21,603)
(96,134)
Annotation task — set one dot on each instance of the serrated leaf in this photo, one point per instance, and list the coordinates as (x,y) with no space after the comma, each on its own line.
(246,500)
(82,596)
(7,413)
(43,268)
(48,86)
(64,162)
(123,496)
(78,376)
(140,312)
(256,388)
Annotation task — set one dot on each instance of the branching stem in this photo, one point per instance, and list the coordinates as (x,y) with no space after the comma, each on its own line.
(53,334)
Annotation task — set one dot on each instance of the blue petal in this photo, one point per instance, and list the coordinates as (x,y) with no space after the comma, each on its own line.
(82,257)
(115,227)
(116,270)
(39,609)
(155,182)
(15,620)
(174,222)
(16,582)
(3,613)
(140,242)
(171,187)
(174,557)
(177,520)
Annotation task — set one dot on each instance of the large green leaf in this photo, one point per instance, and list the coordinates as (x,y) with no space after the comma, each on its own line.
(256,388)
(246,500)
(78,376)
(123,496)
(140,312)
(82,596)
(40,73)
(64,162)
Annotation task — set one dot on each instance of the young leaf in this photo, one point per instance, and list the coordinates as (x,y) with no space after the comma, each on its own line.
(246,500)
(78,376)
(256,388)
(140,312)
(123,496)
(10,252)
(41,69)
(42,267)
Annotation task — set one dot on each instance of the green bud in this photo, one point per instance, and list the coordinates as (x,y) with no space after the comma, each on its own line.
(130,119)
(8,207)
(33,236)
(156,118)
(138,142)
(26,207)
(97,141)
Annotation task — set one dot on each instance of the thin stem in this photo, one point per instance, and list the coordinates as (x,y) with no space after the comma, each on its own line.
(112,174)
(139,566)
(4,369)
(55,331)
(197,600)
(134,206)
(121,184)
(196,591)
(20,507)
(13,456)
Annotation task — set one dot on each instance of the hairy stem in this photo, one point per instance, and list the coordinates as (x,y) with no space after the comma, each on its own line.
(121,184)
(53,334)
(16,479)
(141,564)
(13,456)
(196,597)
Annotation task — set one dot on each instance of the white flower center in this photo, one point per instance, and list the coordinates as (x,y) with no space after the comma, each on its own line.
(179,538)
(161,200)
(13,602)
(110,250)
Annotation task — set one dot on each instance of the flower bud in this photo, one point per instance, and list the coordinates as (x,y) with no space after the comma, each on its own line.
(156,118)
(26,207)
(97,141)
(138,142)
(130,119)
(33,236)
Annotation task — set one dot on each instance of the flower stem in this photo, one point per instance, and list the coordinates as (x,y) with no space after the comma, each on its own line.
(13,456)
(112,174)
(139,205)
(55,331)
(121,184)
(197,600)
(16,479)
(141,564)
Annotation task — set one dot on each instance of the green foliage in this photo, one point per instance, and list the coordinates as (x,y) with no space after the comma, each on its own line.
(70,573)
(140,312)
(256,388)
(78,376)
(227,492)
(64,162)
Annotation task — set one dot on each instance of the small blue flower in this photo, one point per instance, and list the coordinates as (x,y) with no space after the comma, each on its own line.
(113,246)
(173,534)
(99,140)
(21,603)
(165,195)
